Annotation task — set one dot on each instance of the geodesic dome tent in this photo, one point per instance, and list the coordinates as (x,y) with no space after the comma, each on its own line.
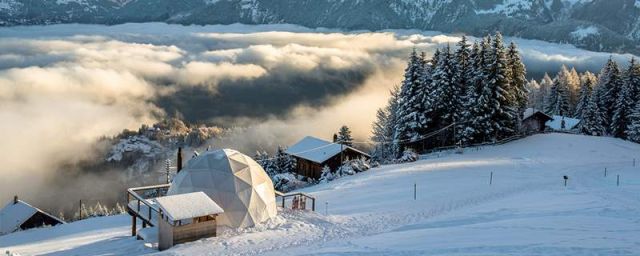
(234,181)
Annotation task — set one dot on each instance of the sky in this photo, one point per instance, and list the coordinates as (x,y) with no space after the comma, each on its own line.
(64,86)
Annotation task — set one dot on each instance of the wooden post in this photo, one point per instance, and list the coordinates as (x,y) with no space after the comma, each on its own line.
(415,191)
(605,171)
(179,162)
(618,181)
(491,179)
(133,225)
(313,204)
(80,209)
(634,162)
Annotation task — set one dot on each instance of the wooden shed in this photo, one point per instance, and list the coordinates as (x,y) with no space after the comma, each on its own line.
(186,218)
(19,215)
(312,154)
(534,121)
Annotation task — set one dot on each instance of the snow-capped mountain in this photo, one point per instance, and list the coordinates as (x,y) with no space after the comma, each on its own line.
(603,25)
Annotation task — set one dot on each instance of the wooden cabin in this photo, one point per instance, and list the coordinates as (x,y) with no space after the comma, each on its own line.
(19,215)
(186,218)
(534,121)
(312,154)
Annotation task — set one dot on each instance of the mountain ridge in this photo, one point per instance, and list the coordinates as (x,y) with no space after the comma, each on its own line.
(599,25)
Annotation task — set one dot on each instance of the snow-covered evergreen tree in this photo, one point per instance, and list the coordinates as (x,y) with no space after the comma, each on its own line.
(463,76)
(573,86)
(502,104)
(632,78)
(609,87)
(445,92)
(344,136)
(633,130)
(532,93)
(518,78)
(593,117)
(469,122)
(558,102)
(542,96)
(283,162)
(625,103)
(383,128)
(411,109)
(588,81)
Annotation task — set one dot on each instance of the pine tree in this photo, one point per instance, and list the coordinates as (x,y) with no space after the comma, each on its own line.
(344,136)
(533,87)
(518,78)
(445,92)
(588,81)
(543,93)
(481,128)
(625,102)
(593,118)
(573,87)
(283,162)
(463,76)
(383,128)
(609,87)
(558,100)
(633,131)
(469,122)
(411,120)
(632,78)
(502,101)
(622,112)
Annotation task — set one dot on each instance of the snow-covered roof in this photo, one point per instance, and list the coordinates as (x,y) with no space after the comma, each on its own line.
(556,123)
(530,112)
(317,150)
(187,206)
(15,214)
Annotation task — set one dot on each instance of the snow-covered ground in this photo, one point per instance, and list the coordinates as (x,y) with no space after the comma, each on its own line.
(525,211)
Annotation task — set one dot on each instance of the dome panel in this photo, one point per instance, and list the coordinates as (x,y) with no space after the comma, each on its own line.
(235,182)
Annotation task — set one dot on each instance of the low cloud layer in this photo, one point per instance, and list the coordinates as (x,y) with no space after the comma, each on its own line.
(63,86)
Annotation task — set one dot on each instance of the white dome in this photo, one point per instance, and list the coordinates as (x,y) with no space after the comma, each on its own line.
(234,181)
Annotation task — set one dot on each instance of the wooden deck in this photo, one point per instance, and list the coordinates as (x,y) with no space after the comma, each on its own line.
(140,205)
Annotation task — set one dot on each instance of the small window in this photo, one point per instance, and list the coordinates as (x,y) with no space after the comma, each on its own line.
(203,219)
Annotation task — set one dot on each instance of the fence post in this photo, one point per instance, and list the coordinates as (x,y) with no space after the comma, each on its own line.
(634,162)
(605,171)
(618,180)
(415,191)
(326,208)
(491,179)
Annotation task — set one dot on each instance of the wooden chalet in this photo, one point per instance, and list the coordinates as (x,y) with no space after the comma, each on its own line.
(312,154)
(534,121)
(19,215)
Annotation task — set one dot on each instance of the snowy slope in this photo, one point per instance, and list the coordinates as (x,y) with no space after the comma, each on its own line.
(526,211)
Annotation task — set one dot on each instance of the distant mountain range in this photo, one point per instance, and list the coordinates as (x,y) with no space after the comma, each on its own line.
(600,25)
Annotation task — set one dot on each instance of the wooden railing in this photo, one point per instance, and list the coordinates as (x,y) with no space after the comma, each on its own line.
(139,207)
(298,201)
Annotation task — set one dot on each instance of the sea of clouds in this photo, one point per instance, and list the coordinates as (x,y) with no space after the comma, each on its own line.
(64,86)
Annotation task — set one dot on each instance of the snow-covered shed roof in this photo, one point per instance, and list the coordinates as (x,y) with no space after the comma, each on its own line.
(317,150)
(556,123)
(187,206)
(15,213)
(531,111)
